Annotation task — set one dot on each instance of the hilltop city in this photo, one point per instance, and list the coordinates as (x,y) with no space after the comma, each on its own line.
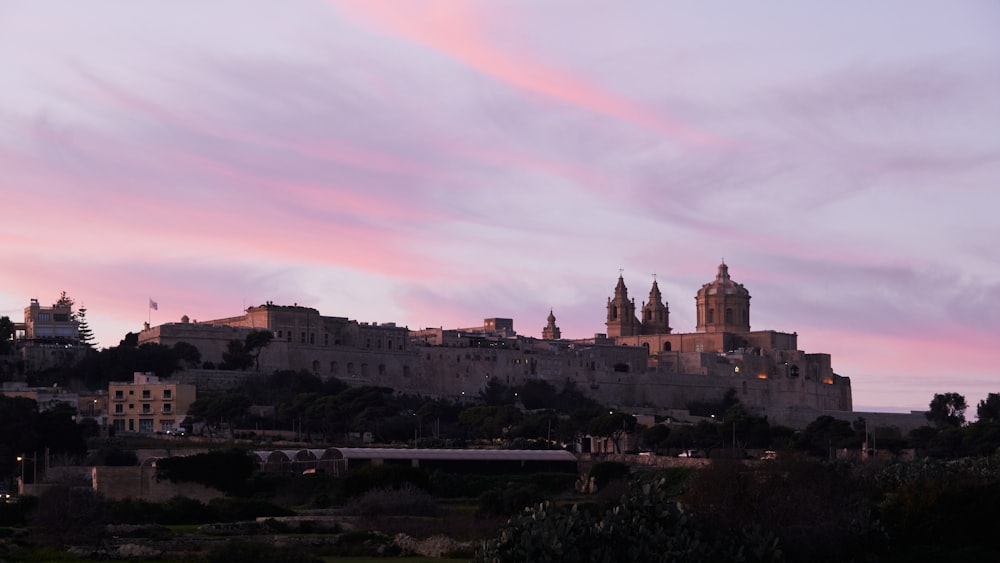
(343,437)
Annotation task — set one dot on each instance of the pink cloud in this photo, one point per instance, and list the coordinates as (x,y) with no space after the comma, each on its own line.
(456,29)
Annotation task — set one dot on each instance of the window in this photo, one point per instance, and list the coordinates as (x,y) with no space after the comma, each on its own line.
(302,339)
(312,337)
(145,425)
(666,346)
(333,367)
(146,408)
(711,316)
(326,340)
(119,425)
(381,369)
(168,394)
(729,316)
(280,335)
(166,408)
(119,409)
(119,394)
(146,394)
(43,317)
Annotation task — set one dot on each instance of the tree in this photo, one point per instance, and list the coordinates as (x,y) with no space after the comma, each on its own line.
(256,341)
(188,354)
(988,409)
(496,393)
(612,425)
(236,356)
(84,333)
(825,433)
(947,410)
(226,470)
(65,301)
(6,335)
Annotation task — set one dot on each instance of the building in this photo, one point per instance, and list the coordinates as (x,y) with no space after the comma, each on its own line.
(46,397)
(49,337)
(50,325)
(148,405)
(639,363)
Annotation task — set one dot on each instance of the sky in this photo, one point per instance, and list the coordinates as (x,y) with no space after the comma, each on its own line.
(435,163)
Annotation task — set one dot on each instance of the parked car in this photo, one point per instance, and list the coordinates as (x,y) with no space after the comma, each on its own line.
(179,431)
(689,453)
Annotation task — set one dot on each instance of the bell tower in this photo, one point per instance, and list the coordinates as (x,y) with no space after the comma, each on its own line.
(655,313)
(621,312)
(723,305)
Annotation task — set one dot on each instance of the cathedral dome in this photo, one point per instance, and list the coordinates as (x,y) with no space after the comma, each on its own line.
(723,305)
(723,284)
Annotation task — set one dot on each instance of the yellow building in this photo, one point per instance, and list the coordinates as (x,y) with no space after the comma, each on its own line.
(148,405)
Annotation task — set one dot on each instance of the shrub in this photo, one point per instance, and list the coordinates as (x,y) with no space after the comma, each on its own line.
(371,477)
(236,509)
(645,525)
(404,501)
(225,470)
(607,471)
(252,552)
(508,500)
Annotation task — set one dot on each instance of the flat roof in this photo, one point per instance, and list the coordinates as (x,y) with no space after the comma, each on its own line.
(456,454)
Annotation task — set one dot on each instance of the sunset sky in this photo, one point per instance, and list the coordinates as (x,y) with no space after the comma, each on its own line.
(437,163)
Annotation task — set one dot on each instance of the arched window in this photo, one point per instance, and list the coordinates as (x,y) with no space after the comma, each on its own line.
(614,312)
(729,316)
(666,346)
(711,316)
(315,366)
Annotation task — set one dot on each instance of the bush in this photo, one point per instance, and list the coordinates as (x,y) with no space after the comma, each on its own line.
(509,500)
(373,477)
(608,471)
(16,513)
(818,509)
(404,501)
(456,485)
(236,509)
(252,552)
(645,525)
(225,470)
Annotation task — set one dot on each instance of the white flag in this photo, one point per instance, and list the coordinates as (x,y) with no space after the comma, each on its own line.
(153,305)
